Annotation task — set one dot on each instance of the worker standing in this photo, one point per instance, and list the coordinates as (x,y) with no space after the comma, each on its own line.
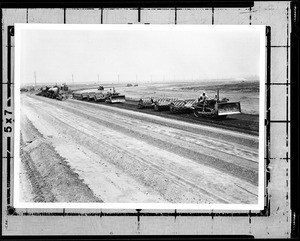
(203,97)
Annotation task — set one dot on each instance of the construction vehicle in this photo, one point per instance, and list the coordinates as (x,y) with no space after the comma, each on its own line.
(156,103)
(216,108)
(54,92)
(77,95)
(64,87)
(23,89)
(44,91)
(100,94)
(163,103)
(182,106)
(147,102)
(96,95)
(114,97)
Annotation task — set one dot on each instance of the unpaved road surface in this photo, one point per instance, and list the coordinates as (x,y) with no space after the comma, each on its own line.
(74,151)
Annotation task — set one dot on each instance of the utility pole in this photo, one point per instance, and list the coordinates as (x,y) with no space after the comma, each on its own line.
(34,79)
(72,80)
(98,80)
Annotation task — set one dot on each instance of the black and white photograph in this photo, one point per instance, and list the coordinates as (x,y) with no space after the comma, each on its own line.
(139,116)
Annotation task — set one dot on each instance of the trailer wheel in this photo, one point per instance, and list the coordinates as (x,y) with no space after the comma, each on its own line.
(156,107)
(174,110)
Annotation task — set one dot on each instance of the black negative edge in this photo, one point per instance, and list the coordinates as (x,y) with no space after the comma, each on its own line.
(268,115)
(137,214)
(8,160)
(265,212)
(2,123)
(129,4)
(10,33)
(133,237)
(294,105)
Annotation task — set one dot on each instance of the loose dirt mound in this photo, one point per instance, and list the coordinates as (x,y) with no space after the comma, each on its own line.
(51,178)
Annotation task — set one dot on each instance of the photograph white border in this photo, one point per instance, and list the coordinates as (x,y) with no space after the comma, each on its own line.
(262,103)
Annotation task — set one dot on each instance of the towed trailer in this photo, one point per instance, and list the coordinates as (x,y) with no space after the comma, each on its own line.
(211,108)
(97,96)
(163,103)
(147,102)
(182,106)
(84,95)
(77,95)
(172,104)
(156,103)
(100,94)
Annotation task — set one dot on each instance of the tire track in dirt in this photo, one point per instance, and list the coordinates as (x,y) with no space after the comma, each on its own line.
(239,167)
(86,128)
(181,143)
(234,152)
(206,142)
(107,181)
(152,175)
(197,128)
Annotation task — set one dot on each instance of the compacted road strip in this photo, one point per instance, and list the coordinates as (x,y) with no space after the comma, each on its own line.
(244,123)
(165,160)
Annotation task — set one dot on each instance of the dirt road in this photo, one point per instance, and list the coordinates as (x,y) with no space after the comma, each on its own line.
(74,151)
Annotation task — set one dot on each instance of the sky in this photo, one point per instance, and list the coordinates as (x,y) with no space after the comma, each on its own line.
(131,56)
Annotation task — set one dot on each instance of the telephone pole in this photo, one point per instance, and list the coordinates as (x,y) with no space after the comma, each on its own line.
(34,79)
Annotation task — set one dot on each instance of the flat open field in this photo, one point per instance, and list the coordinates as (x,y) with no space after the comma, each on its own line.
(75,151)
